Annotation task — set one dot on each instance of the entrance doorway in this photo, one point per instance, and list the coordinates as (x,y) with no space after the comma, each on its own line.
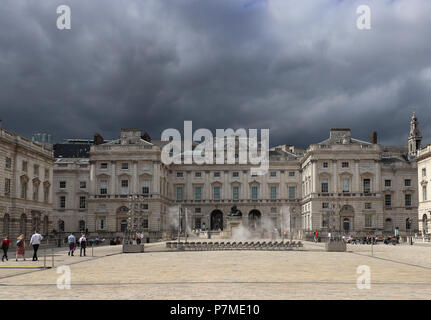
(217,220)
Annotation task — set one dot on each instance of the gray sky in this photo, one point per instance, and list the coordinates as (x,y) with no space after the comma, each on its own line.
(295,67)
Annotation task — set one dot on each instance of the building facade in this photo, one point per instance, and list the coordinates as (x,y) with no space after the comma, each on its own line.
(342,185)
(424,172)
(26,186)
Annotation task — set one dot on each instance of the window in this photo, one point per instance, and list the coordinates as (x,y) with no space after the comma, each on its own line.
(6,223)
(367,205)
(8,164)
(144,206)
(35,191)
(407,183)
(179,193)
(217,174)
(344,164)
(424,172)
(292,191)
(273,193)
(124,187)
(60,225)
(103,186)
(325,220)
(82,202)
(62,202)
(198,174)
(235,174)
(368,221)
(24,166)
(36,170)
(325,186)
(7,187)
(104,165)
(424,193)
(145,187)
(345,184)
(254,192)
(235,191)
(198,210)
(408,200)
(46,174)
(367,185)
(62,184)
(366,165)
(145,223)
(102,223)
(273,173)
(125,165)
(216,193)
(180,174)
(273,209)
(46,194)
(325,165)
(408,223)
(83,184)
(388,200)
(388,183)
(24,190)
(325,205)
(198,223)
(291,173)
(198,193)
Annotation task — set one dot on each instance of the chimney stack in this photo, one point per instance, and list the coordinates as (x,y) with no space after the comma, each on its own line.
(373,138)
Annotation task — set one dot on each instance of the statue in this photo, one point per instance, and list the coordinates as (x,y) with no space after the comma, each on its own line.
(234,212)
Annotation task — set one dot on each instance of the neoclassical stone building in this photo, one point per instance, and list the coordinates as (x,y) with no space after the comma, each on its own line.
(342,184)
(26,173)
(424,172)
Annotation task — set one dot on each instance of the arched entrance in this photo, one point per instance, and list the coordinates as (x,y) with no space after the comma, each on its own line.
(254,219)
(346,218)
(346,224)
(123,226)
(122,215)
(217,220)
(425,224)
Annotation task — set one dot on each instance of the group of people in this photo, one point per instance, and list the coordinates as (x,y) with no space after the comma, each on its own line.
(71,240)
(35,242)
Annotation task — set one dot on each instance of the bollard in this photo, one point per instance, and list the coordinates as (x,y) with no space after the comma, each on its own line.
(52,257)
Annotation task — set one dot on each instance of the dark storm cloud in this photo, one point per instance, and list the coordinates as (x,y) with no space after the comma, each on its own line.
(296,67)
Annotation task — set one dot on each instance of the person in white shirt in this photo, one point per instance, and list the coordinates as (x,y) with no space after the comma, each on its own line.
(72,243)
(35,240)
(82,244)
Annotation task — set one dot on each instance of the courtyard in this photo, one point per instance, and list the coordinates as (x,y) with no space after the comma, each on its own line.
(397,272)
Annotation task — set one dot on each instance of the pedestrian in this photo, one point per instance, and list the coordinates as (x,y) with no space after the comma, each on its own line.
(316,234)
(35,240)
(83,245)
(20,247)
(5,246)
(329,236)
(72,243)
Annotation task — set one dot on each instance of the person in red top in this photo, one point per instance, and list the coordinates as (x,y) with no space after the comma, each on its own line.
(316,236)
(5,246)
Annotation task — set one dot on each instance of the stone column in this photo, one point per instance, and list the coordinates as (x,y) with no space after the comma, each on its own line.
(314,176)
(378,182)
(357,178)
(334,176)
(92,178)
(134,187)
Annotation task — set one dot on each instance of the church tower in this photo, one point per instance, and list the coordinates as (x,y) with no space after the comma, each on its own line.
(415,136)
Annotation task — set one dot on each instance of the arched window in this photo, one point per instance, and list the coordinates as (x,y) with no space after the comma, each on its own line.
(61,225)
(346,224)
(388,225)
(425,224)
(35,223)
(23,224)
(81,225)
(6,222)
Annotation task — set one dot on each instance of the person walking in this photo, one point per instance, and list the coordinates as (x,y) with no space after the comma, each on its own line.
(20,247)
(72,243)
(35,240)
(5,246)
(316,235)
(82,244)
